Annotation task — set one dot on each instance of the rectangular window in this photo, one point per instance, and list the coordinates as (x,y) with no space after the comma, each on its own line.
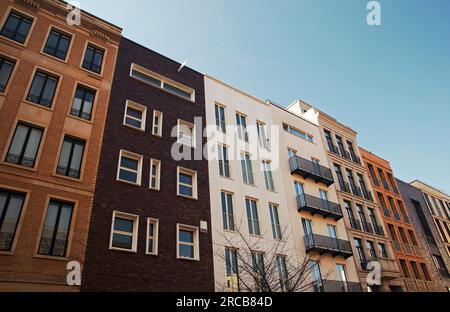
(371,248)
(82,103)
(155,174)
(152,237)
(57,44)
(227,211)
(220,118)
(275,221)
(258,263)
(231,262)
(262,137)
(6,68)
(252,217)
(93,59)
(247,171)
(24,146)
(11,204)
(425,272)
(383,251)
(282,272)
(16,27)
(71,158)
(268,178)
(186,133)
(135,115)
(42,90)
(298,133)
(224,162)
(291,153)
(415,270)
(241,122)
(405,269)
(157,123)
(130,168)
(124,232)
(187,183)
(187,242)
(55,234)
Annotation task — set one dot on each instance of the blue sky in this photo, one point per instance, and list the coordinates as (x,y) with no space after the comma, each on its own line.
(390,83)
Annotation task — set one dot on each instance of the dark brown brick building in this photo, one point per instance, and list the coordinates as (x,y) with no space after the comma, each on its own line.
(150,225)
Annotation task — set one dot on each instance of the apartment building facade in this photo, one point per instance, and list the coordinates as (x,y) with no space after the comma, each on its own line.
(55,85)
(150,224)
(361,213)
(422,219)
(408,245)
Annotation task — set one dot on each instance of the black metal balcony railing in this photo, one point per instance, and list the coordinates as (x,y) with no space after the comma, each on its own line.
(378,230)
(319,206)
(367,227)
(385,185)
(325,244)
(367,194)
(68,172)
(6,240)
(337,286)
(22,161)
(309,169)
(355,224)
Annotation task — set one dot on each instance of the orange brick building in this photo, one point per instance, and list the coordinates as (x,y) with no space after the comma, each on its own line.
(407,245)
(54,91)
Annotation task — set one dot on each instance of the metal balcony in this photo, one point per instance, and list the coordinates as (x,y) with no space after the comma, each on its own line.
(337,286)
(319,206)
(327,245)
(310,170)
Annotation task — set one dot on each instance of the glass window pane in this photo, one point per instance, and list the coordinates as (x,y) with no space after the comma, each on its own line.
(186,251)
(133,122)
(77,157)
(122,241)
(132,112)
(32,147)
(128,176)
(129,163)
(5,73)
(185,178)
(186,236)
(123,225)
(36,87)
(49,91)
(17,144)
(186,190)
(65,154)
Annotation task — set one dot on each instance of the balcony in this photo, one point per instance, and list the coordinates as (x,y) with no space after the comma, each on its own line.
(410,285)
(421,286)
(378,229)
(389,268)
(310,170)
(319,206)
(337,286)
(327,245)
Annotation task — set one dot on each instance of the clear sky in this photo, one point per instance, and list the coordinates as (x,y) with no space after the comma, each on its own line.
(390,83)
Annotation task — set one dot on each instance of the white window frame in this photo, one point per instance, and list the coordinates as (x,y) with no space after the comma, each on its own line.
(158,125)
(192,173)
(195,244)
(139,158)
(248,176)
(157,175)
(268,175)
(292,130)
(138,107)
(220,108)
(242,131)
(221,157)
(134,235)
(227,209)
(273,210)
(262,135)
(193,132)
(155,223)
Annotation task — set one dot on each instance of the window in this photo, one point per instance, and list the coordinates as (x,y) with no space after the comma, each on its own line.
(227,211)
(57,44)
(383,205)
(299,190)
(247,171)
(383,251)
(124,232)
(157,123)
(275,221)
(71,157)
(187,183)
(415,270)
(152,237)
(252,217)
(16,27)
(231,262)
(224,163)
(341,273)
(241,122)
(11,204)
(329,140)
(405,269)
(24,146)
(340,144)
(291,153)
(371,248)
(268,178)
(262,138)
(6,68)
(186,133)
(187,242)
(316,275)
(55,234)
(135,115)
(259,269)
(156,80)
(298,133)
(82,103)
(130,167)
(360,251)
(282,273)
(42,90)
(393,208)
(155,174)
(425,272)
(93,59)
(220,118)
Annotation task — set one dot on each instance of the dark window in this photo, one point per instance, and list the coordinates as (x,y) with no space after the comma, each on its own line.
(10,209)
(42,89)
(404,267)
(231,262)
(383,250)
(24,146)
(360,251)
(123,233)
(425,272)
(220,118)
(69,163)
(17,27)
(56,229)
(57,44)
(82,103)
(93,59)
(227,211)
(415,270)
(177,91)
(6,68)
